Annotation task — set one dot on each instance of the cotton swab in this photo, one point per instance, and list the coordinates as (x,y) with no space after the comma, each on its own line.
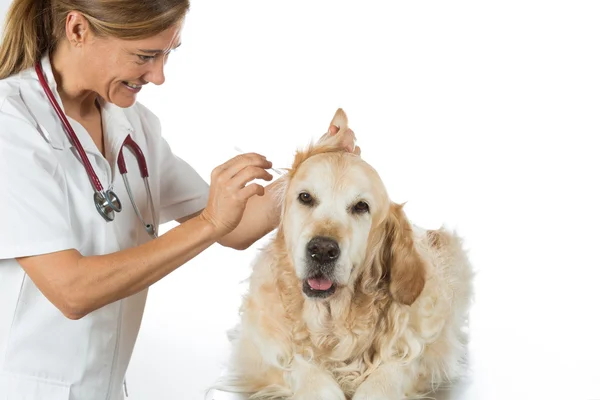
(278,172)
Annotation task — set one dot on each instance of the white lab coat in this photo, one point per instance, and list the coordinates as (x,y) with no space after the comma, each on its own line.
(47,205)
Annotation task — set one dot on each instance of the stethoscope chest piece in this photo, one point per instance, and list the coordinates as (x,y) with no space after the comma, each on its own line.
(107,204)
(106,201)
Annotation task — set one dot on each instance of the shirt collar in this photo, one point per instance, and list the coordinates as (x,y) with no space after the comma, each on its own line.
(116,127)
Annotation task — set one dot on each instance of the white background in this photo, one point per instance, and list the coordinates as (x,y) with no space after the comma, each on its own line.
(483,116)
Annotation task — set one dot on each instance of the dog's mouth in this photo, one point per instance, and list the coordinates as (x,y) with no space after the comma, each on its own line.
(318,286)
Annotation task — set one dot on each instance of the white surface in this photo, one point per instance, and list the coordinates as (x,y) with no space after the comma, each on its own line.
(482,116)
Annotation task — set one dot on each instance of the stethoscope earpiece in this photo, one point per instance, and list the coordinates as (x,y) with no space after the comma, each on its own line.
(150,229)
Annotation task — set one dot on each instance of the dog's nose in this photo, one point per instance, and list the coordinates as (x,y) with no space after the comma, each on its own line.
(323,250)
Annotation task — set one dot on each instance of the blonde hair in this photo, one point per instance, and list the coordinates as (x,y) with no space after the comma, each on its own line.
(33,27)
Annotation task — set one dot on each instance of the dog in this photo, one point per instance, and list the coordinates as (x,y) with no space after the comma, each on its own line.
(349,300)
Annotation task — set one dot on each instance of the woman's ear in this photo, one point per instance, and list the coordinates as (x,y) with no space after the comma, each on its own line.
(402,263)
(77,29)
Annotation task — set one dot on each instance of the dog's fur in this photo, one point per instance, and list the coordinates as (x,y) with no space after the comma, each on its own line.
(394,326)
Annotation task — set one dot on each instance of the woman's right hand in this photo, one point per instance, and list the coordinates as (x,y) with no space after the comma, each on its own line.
(229,192)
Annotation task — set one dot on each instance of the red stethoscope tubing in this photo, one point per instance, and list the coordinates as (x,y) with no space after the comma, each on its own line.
(129,143)
(106,201)
(70,133)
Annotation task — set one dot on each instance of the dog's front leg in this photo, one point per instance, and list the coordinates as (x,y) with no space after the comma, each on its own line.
(310,382)
(388,382)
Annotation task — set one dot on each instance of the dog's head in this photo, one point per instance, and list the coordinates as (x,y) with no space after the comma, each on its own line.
(341,228)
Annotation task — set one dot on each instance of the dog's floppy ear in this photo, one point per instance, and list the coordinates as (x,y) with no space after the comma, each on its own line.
(402,263)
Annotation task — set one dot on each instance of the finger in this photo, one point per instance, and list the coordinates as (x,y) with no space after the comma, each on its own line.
(348,140)
(248,174)
(350,133)
(240,158)
(357,150)
(258,167)
(333,129)
(235,165)
(251,190)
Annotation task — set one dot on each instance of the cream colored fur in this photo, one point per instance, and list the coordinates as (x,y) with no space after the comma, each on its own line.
(395,326)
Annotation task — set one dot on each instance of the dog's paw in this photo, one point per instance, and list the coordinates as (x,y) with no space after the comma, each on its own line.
(327,390)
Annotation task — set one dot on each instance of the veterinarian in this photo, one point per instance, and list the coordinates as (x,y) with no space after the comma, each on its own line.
(76,154)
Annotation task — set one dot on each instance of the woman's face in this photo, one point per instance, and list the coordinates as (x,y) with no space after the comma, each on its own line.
(117,69)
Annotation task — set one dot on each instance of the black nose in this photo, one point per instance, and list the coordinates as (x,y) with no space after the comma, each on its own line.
(323,250)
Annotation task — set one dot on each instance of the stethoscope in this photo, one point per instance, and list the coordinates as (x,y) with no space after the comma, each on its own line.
(106,201)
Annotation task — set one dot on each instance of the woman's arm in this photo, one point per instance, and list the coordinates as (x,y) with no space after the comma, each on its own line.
(78,285)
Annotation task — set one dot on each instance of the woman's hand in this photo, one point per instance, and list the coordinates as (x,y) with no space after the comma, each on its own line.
(229,192)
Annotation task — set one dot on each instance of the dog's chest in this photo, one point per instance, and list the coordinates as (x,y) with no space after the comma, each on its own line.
(345,353)
(334,340)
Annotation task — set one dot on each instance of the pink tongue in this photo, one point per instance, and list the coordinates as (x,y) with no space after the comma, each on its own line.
(319,284)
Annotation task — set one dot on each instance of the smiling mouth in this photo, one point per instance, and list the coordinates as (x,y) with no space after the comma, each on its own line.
(132,86)
(318,286)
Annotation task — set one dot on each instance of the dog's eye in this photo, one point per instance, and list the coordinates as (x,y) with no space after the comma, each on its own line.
(360,207)
(305,198)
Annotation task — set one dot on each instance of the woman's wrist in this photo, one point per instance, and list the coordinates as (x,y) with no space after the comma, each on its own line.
(209,227)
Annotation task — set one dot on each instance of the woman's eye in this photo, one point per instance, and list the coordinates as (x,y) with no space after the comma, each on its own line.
(360,207)
(305,198)
(145,58)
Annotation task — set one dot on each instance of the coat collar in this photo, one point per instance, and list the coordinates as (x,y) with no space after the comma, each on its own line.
(115,123)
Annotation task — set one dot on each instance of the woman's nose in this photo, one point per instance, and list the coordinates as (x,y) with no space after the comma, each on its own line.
(156,74)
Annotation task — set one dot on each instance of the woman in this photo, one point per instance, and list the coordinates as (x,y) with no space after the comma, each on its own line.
(74,272)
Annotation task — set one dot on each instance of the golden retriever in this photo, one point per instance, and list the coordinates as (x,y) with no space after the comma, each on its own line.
(349,300)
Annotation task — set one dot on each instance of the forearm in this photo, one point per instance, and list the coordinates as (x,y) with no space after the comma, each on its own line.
(107,278)
(78,285)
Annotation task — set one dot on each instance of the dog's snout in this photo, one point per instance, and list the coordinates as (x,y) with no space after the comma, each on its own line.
(323,250)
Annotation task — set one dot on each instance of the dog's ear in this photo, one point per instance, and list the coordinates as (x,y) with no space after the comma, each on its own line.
(339,122)
(402,263)
(339,135)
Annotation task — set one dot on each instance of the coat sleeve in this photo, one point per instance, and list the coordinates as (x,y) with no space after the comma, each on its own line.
(33,201)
